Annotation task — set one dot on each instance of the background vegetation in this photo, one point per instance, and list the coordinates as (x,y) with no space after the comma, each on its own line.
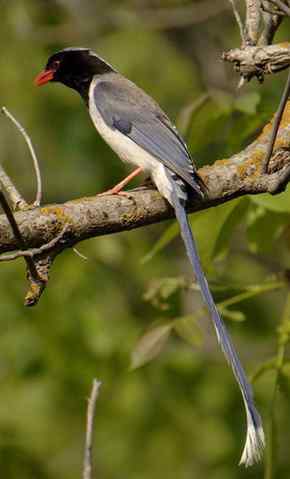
(180,415)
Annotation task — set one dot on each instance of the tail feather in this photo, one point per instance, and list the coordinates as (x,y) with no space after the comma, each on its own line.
(255,441)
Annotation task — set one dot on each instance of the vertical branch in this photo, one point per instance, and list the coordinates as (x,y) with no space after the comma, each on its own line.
(253,20)
(32,152)
(277,122)
(88,461)
(271,24)
(239,20)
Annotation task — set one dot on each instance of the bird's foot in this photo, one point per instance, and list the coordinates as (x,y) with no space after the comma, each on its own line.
(118,189)
(115,191)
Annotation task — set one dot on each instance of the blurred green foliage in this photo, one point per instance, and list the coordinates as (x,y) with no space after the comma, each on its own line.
(181,415)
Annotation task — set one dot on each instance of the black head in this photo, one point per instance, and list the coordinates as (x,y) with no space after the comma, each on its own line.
(75,68)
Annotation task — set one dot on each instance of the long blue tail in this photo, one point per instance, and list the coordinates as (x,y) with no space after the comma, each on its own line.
(255,441)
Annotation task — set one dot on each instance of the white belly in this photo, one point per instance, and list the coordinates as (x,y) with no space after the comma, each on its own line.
(128,151)
(125,148)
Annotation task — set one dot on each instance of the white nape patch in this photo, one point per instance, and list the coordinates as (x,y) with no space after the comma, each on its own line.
(93,54)
(127,150)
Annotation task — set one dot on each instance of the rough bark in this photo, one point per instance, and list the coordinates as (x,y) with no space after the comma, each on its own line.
(99,215)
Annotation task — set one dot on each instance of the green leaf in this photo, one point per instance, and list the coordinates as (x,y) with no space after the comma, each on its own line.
(233,314)
(188,329)
(150,345)
(265,228)
(235,217)
(169,234)
(161,289)
(248,102)
(251,292)
(278,203)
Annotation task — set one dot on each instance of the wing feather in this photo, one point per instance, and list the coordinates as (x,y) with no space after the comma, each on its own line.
(123,106)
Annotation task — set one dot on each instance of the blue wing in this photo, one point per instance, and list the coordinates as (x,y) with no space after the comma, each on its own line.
(123,106)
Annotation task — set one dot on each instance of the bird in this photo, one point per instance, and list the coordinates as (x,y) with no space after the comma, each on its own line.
(141,134)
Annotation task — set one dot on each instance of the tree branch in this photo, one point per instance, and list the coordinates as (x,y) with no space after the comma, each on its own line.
(84,218)
(259,60)
(31,253)
(37,268)
(257,57)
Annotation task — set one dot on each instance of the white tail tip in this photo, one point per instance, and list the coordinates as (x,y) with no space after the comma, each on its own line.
(254,446)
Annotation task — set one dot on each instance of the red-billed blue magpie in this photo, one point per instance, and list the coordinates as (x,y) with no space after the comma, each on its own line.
(136,128)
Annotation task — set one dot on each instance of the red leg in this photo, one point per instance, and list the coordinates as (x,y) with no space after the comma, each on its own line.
(117,189)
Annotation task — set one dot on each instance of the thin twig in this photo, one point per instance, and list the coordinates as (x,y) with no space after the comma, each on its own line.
(239,20)
(88,462)
(10,216)
(32,152)
(276,123)
(78,253)
(30,253)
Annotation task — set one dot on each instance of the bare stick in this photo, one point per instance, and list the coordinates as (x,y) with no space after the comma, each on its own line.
(239,20)
(88,462)
(78,253)
(30,253)
(276,123)
(32,152)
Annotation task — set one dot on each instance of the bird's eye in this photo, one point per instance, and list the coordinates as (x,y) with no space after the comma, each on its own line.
(55,64)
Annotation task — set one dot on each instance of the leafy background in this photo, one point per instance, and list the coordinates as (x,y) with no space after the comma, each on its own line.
(132,303)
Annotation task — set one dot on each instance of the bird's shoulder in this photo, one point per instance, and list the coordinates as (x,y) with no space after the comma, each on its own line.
(121,90)
(122,95)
